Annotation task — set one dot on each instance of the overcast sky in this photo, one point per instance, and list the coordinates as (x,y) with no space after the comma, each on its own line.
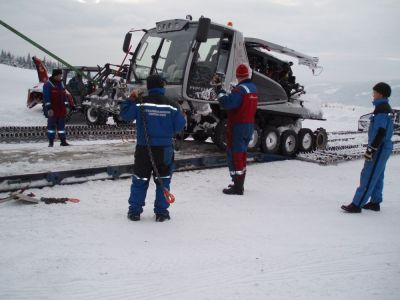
(356,40)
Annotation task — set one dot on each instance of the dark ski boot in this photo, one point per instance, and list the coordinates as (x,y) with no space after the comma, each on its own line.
(134,217)
(236,188)
(372,206)
(162,217)
(64,143)
(233,190)
(51,143)
(351,208)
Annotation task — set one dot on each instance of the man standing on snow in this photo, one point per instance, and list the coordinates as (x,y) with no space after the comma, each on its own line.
(241,105)
(379,148)
(163,119)
(56,106)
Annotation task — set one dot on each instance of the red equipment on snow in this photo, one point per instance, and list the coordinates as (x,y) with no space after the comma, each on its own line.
(35,94)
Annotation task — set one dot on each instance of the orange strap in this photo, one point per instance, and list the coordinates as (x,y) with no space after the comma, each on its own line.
(169,197)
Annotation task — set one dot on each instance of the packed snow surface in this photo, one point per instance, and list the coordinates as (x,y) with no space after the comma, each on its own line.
(286,238)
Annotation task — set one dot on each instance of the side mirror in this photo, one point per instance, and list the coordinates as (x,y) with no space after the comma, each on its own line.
(202,30)
(127,42)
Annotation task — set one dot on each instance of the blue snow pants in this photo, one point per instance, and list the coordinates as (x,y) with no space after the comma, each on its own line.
(372,175)
(54,123)
(163,158)
(238,137)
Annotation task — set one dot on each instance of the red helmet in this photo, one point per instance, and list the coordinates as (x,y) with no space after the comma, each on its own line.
(242,71)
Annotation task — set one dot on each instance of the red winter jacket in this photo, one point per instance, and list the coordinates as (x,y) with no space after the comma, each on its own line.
(55,98)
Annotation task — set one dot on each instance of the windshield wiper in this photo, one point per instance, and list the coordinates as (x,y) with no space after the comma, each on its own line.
(155,57)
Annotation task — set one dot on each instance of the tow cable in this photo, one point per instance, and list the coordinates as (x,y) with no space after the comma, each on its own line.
(169,197)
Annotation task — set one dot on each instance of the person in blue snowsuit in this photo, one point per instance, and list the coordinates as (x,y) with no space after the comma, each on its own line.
(163,120)
(379,148)
(56,107)
(241,106)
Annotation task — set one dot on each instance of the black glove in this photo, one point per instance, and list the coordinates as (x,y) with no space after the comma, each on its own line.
(216,80)
(216,83)
(369,153)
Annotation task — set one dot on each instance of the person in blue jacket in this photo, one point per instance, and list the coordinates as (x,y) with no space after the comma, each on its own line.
(163,119)
(241,107)
(379,148)
(56,107)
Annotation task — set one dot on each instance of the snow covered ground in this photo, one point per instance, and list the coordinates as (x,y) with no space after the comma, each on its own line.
(286,238)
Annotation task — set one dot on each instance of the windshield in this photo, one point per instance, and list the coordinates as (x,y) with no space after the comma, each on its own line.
(164,54)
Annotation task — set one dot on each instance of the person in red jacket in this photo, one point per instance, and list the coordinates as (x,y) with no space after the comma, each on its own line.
(241,105)
(56,107)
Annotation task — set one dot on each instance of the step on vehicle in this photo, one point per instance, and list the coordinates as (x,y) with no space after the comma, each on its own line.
(187,54)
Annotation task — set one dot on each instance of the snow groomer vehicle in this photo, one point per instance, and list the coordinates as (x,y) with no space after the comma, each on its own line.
(187,54)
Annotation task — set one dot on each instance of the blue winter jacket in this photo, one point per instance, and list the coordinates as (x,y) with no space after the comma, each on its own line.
(380,130)
(163,117)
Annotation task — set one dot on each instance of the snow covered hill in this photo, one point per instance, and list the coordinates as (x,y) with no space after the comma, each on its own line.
(286,238)
(14,85)
(350,93)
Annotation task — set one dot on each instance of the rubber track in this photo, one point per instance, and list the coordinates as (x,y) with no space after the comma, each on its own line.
(24,134)
(39,180)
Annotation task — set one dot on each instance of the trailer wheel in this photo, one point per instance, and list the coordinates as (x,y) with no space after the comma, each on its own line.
(200,136)
(270,140)
(254,144)
(321,138)
(289,143)
(306,140)
(94,116)
(220,134)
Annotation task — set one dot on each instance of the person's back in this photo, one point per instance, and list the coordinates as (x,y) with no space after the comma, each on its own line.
(157,120)
(163,119)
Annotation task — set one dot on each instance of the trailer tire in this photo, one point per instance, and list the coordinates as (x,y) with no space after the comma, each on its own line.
(254,144)
(320,138)
(220,134)
(270,140)
(306,140)
(94,116)
(289,143)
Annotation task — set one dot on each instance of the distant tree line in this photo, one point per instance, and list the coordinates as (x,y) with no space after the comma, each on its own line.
(25,62)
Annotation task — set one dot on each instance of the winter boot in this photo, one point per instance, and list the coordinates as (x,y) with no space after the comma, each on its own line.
(162,217)
(134,217)
(51,143)
(233,190)
(351,208)
(372,206)
(64,143)
(236,188)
